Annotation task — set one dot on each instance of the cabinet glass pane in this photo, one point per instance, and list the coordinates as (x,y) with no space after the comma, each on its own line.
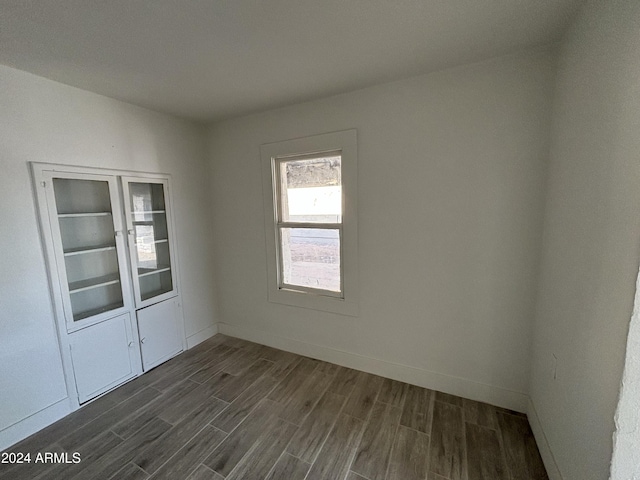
(155,284)
(91,265)
(151,235)
(92,301)
(84,232)
(88,244)
(81,196)
(146,197)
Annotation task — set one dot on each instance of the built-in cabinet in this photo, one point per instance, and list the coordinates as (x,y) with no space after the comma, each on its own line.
(108,236)
(103,356)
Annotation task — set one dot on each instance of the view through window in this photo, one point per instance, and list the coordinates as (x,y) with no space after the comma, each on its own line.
(309,222)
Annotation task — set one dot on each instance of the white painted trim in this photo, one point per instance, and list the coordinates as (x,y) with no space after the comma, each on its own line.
(462,387)
(55,289)
(202,335)
(51,414)
(543,445)
(61,167)
(346,142)
(34,423)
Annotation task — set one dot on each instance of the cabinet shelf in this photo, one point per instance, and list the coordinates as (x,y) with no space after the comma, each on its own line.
(143,217)
(81,250)
(96,311)
(143,272)
(96,282)
(86,214)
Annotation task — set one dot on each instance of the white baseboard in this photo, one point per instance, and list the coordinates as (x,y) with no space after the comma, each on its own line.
(500,397)
(30,425)
(202,335)
(33,423)
(543,445)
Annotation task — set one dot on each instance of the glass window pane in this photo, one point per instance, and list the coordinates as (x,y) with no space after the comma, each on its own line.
(311,258)
(311,190)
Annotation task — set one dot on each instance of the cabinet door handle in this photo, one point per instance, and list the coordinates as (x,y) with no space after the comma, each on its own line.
(130,344)
(143,339)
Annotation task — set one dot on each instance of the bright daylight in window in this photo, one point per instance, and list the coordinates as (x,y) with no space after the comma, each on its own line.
(309,223)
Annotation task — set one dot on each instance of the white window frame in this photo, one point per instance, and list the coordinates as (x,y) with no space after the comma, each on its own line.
(272,155)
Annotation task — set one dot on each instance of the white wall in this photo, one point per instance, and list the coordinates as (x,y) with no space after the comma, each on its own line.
(451,173)
(591,239)
(625,463)
(45,121)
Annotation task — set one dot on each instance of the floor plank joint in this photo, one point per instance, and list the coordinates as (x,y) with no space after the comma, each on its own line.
(229,409)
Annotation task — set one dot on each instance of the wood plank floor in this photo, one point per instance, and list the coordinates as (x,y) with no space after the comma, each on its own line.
(231,409)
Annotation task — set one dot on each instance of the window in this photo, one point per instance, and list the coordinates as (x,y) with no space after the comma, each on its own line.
(309,222)
(310,206)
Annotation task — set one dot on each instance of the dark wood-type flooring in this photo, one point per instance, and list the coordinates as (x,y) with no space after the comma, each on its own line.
(231,409)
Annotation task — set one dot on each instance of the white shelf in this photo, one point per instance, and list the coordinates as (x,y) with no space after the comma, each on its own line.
(142,212)
(82,250)
(96,311)
(96,282)
(143,272)
(160,240)
(77,215)
(155,293)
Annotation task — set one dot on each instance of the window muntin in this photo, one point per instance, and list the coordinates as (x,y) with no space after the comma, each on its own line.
(309,207)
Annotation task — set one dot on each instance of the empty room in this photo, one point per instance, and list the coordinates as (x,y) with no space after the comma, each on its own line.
(320,239)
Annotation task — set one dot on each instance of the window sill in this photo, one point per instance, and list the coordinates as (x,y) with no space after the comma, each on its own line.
(313,301)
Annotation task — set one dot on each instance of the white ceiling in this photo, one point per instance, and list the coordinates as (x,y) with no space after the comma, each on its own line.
(213,59)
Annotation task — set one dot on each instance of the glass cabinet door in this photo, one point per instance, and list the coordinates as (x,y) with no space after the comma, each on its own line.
(150,240)
(88,246)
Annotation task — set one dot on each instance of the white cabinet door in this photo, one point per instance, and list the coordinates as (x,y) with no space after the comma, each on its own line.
(159,330)
(90,258)
(151,242)
(103,356)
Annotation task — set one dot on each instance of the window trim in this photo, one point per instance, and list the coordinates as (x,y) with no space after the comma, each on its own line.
(272,154)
